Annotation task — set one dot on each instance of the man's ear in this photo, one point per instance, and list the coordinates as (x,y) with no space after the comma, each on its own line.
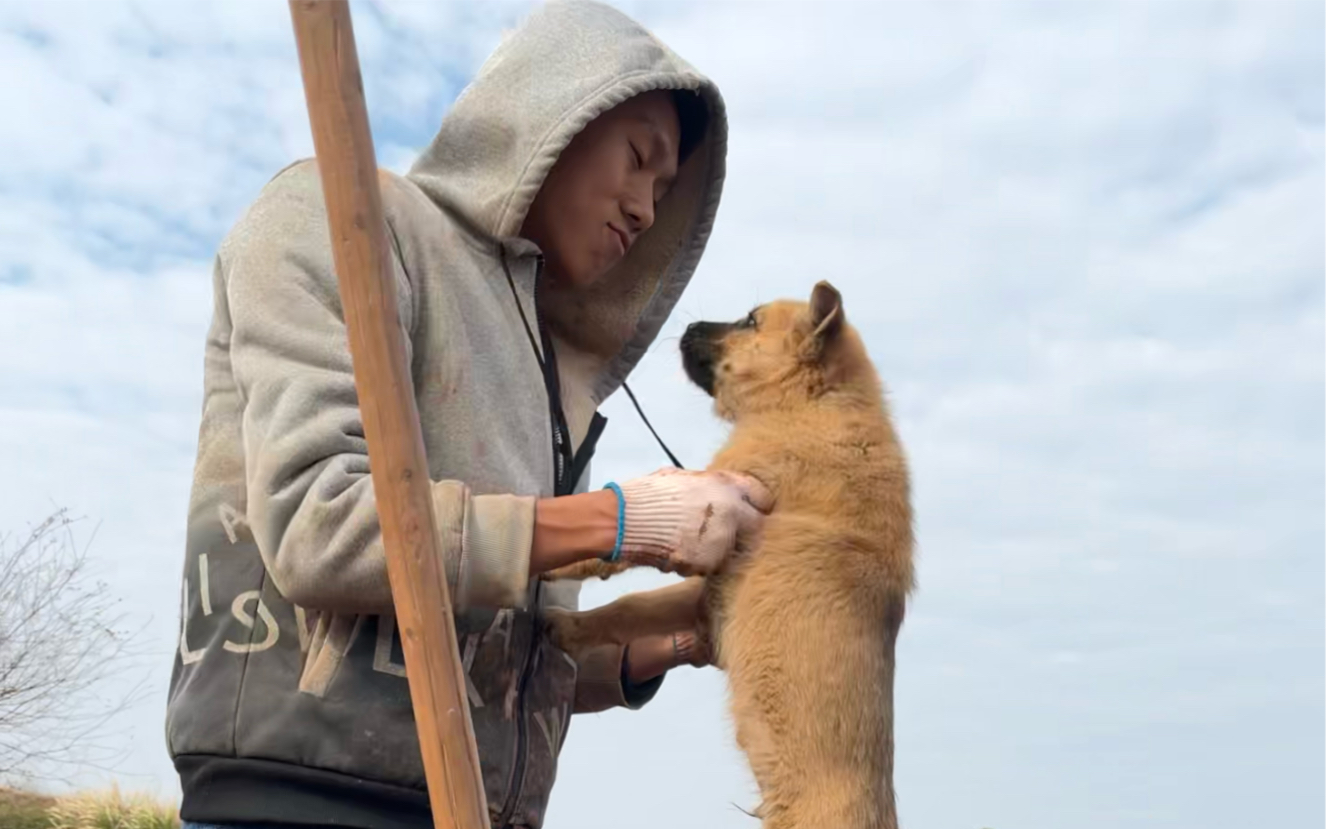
(826,311)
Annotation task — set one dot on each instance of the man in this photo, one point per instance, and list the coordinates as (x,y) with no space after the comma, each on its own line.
(539,244)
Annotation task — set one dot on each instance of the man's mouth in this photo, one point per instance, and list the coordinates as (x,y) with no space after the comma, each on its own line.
(622,238)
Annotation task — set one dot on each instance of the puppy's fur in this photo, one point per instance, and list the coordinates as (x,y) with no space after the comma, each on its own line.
(805,625)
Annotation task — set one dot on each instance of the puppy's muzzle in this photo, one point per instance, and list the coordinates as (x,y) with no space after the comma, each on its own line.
(701,349)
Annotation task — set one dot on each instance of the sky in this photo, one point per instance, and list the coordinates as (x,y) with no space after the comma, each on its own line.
(1083,241)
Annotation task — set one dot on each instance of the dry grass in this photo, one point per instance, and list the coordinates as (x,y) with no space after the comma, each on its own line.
(20,810)
(88,810)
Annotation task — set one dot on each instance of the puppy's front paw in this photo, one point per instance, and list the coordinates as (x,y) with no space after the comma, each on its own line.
(580,571)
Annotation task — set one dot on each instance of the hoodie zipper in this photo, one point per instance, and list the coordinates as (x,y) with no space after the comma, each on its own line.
(516,785)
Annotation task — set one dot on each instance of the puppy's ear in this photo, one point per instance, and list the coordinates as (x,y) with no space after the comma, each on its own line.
(826,312)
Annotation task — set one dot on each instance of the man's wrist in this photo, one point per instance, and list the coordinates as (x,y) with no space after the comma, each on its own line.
(648,657)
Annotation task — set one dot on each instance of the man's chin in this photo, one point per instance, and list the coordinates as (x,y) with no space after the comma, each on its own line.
(578,279)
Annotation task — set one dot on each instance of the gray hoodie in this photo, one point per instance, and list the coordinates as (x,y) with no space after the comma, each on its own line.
(289,700)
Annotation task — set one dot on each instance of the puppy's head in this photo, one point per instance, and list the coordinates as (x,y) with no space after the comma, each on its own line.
(781,354)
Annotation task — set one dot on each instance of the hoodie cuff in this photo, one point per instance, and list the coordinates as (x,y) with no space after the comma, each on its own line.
(638,694)
(601,682)
(599,679)
(486,542)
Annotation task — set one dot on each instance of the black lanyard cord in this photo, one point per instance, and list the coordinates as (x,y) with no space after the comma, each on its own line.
(650,426)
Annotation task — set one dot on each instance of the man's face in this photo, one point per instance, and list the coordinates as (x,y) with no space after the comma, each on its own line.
(600,195)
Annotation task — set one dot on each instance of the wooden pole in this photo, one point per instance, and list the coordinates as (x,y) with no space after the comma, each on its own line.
(348,166)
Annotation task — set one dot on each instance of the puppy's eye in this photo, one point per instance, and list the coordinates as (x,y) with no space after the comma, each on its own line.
(749,321)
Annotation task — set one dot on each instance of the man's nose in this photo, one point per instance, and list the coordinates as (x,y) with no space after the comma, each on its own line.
(641,214)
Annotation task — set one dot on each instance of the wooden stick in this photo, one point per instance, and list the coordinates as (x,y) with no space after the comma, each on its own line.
(344,145)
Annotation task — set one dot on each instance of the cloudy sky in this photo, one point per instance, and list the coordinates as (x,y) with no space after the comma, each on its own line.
(1084,243)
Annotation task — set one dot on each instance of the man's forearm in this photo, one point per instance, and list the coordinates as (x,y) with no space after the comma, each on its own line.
(572,528)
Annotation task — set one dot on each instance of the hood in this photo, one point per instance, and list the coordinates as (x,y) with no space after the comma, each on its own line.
(569,62)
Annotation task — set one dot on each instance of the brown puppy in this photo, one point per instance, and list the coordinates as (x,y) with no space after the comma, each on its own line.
(805,625)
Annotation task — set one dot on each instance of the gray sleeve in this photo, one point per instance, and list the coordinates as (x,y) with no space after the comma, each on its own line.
(310,495)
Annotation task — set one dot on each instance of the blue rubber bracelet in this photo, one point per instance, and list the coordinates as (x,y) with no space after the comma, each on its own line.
(621,523)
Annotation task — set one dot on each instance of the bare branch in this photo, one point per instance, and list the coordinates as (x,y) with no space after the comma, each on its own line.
(61,637)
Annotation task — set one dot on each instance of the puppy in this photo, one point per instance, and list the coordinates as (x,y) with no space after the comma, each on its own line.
(805,624)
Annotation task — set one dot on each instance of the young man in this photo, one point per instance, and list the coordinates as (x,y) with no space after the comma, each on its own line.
(540,242)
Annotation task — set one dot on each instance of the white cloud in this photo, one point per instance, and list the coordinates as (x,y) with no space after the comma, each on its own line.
(1084,242)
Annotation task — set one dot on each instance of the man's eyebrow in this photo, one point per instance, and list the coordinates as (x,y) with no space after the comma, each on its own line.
(658,137)
(661,150)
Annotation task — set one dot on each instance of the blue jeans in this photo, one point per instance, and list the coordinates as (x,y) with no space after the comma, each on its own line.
(191,825)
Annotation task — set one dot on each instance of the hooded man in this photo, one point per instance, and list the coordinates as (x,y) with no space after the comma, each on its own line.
(539,244)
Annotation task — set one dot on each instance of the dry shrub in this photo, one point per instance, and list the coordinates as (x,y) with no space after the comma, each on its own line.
(112,810)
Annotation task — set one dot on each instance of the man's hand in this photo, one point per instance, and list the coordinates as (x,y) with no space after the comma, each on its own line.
(690,648)
(654,655)
(690,522)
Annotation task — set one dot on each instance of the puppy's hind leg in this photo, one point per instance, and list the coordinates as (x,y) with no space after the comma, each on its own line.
(666,610)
